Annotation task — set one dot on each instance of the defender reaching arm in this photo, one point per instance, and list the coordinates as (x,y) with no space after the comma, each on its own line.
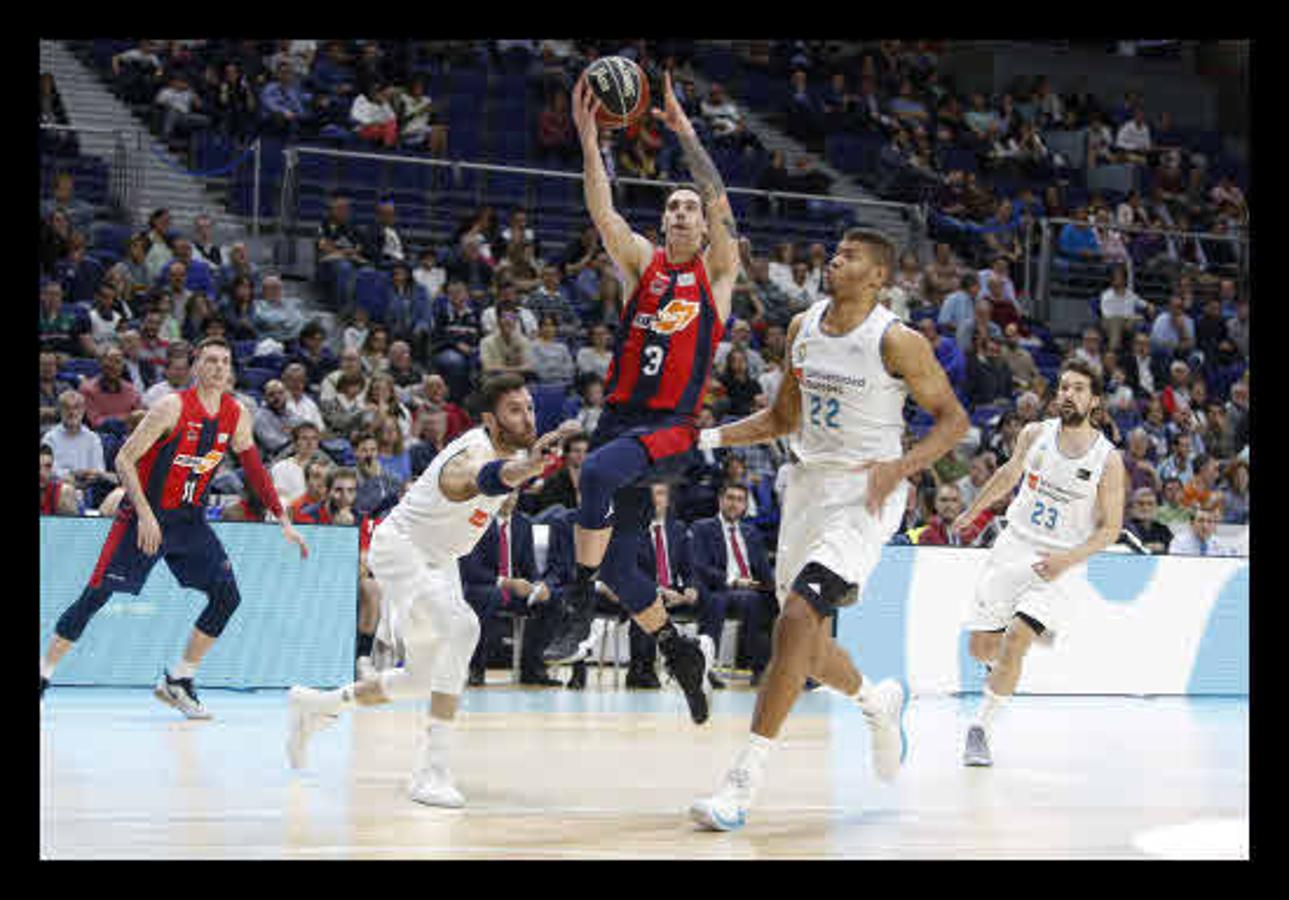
(470,473)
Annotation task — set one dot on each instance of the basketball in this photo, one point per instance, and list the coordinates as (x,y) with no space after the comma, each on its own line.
(622,89)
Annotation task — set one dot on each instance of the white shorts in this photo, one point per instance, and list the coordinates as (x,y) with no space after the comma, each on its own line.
(825,521)
(1009,585)
(424,607)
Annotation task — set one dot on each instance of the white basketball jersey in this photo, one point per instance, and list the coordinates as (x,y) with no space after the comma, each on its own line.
(852,409)
(1056,505)
(440,528)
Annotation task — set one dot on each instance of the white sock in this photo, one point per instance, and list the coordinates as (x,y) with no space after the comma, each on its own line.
(438,735)
(46,669)
(756,753)
(866,696)
(989,707)
(183,669)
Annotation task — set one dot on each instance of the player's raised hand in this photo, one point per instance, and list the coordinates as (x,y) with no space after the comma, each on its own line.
(584,103)
(552,439)
(672,113)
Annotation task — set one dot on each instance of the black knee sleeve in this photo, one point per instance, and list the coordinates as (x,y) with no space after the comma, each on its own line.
(74,619)
(222,603)
(824,589)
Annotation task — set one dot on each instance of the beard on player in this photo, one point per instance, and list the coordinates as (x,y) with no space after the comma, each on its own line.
(516,438)
(1071,416)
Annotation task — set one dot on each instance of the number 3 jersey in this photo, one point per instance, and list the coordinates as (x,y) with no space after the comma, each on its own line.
(852,409)
(662,355)
(1057,502)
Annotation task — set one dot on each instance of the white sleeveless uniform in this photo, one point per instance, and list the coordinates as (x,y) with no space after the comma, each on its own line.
(1054,510)
(852,412)
(413,556)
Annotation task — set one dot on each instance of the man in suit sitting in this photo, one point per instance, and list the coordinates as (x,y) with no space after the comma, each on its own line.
(501,574)
(666,557)
(733,575)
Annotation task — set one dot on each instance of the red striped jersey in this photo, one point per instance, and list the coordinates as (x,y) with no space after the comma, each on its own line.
(662,355)
(175,470)
(49,497)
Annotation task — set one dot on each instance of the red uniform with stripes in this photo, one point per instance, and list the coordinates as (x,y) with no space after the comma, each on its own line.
(49,497)
(174,472)
(662,356)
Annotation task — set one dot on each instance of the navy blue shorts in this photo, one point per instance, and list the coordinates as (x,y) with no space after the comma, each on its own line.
(668,438)
(188,545)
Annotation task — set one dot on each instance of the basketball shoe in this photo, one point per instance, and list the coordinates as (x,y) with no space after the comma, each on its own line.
(574,642)
(44,683)
(726,810)
(976,753)
(365,668)
(179,693)
(886,722)
(688,662)
(432,782)
(305,717)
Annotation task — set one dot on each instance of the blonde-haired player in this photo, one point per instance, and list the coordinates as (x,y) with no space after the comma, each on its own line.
(852,364)
(413,556)
(1069,506)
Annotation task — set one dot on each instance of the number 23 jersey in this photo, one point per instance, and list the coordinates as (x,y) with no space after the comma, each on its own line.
(1056,506)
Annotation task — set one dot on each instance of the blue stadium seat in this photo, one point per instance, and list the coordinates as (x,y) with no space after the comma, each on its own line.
(340,451)
(274,363)
(243,349)
(548,403)
(369,292)
(255,379)
(74,368)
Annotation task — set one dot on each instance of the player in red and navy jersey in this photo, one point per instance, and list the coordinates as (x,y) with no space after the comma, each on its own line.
(679,301)
(165,466)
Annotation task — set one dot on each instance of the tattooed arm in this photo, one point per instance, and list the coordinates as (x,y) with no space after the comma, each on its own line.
(723,255)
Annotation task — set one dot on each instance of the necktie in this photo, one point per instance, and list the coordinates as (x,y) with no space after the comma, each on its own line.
(738,554)
(503,562)
(660,553)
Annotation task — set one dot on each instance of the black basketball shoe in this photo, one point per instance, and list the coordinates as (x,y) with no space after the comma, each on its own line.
(44,683)
(573,643)
(688,661)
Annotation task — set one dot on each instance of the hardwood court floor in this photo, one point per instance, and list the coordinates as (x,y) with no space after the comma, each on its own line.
(608,774)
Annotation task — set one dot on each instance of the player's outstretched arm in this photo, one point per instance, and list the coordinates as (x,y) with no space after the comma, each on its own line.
(1003,481)
(630,251)
(243,444)
(473,472)
(783,417)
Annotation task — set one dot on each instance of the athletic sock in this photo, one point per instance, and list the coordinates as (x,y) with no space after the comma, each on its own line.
(46,669)
(183,669)
(438,736)
(362,647)
(989,707)
(866,696)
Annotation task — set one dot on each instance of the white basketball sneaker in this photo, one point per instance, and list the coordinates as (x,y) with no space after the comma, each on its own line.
(180,693)
(365,668)
(726,810)
(304,719)
(890,743)
(432,785)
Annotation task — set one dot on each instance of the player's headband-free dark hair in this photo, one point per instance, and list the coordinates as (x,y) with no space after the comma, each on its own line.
(880,245)
(496,387)
(212,341)
(1080,367)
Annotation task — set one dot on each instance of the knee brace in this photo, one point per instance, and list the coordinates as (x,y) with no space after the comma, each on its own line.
(223,600)
(74,619)
(824,589)
(606,470)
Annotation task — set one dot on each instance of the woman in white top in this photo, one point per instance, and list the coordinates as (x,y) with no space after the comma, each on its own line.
(551,360)
(1119,306)
(595,357)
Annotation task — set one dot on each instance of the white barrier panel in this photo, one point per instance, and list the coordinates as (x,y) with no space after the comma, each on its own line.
(1138,625)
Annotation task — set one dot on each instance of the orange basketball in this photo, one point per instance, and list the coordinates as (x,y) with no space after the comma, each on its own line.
(622,89)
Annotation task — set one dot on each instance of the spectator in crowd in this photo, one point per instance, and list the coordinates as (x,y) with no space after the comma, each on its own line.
(1211,335)
(199,276)
(1180,459)
(552,363)
(51,386)
(382,402)
(373,116)
(80,215)
(1019,361)
(109,395)
(407,310)
(159,253)
(377,488)
(1140,470)
(507,350)
(1173,331)
(666,558)
(180,105)
(1133,139)
(741,389)
(238,312)
(1237,327)
(429,274)
(959,307)
(1120,307)
(740,338)
(1202,490)
(78,452)
(1142,373)
(55,242)
(1078,241)
(346,411)
(313,353)
(1002,443)
(733,576)
(555,137)
(1235,493)
(394,457)
(948,506)
(1200,538)
(57,497)
(297,401)
(595,357)
(432,395)
(1089,350)
(591,392)
(550,299)
(137,72)
(457,332)
(508,302)
(405,371)
(561,488)
(981,323)
(1172,513)
(947,353)
(105,321)
(135,262)
(943,275)
(233,103)
(351,363)
(238,265)
(59,329)
(500,573)
(178,376)
(339,253)
(288,473)
(430,431)
(383,245)
(1178,390)
(1142,523)
(275,316)
(316,476)
(982,469)
(988,378)
(284,106)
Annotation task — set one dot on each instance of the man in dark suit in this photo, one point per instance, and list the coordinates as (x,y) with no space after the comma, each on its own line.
(501,574)
(1139,361)
(664,556)
(733,575)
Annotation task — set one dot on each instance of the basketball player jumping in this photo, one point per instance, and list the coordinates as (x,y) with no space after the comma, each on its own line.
(841,402)
(413,556)
(1069,506)
(662,360)
(165,466)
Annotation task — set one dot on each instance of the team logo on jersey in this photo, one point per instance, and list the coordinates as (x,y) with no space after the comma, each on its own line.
(686,279)
(1084,474)
(675,316)
(194,432)
(1038,460)
(200,464)
(1033,481)
(223,437)
(659,285)
(478,518)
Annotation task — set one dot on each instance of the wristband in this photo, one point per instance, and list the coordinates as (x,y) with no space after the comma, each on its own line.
(709,438)
(489,479)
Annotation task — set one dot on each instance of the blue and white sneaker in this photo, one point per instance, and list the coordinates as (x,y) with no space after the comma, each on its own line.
(890,741)
(726,810)
(976,752)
